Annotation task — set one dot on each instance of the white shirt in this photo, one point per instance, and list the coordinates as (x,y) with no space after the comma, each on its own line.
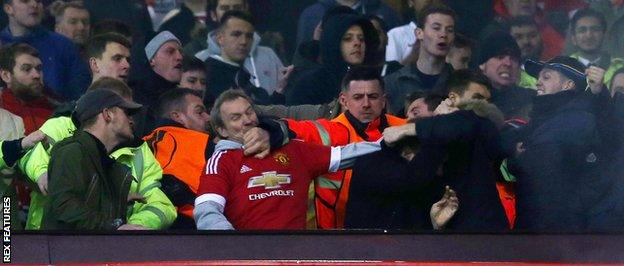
(400,42)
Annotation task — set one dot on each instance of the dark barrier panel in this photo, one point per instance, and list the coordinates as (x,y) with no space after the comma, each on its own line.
(58,248)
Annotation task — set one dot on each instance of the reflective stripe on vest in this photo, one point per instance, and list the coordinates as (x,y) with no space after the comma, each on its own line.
(150,187)
(320,181)
(138,168)
(157,212)
(342,196)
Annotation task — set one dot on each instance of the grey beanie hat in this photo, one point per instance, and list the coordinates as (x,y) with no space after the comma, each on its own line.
(153,45)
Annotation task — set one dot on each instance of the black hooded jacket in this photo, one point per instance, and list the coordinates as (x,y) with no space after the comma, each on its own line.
(322,85)
(313,14)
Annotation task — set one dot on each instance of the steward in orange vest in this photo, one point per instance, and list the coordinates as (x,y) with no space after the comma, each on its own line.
(182,154)
(182,145)
(364,119)
(332,190)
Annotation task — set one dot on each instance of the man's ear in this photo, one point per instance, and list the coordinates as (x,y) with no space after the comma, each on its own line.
(151,62)
(454,97)
(419,33)
(106,114)
(482,67)
(93,65)
(568,85)
(175,116)
(219,37)
(6,76)
(8,9)
(342,98)
(222,132)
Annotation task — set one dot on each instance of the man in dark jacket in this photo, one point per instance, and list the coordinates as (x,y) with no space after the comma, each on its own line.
(608,213)
(347,40)
(227,71)
(430,71)
(465,129)
(397,195)
(558,153)
(499,60)
(88,189)
(156,68)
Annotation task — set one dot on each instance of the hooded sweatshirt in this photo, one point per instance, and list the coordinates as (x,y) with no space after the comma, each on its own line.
(322,85)
(311,16)
(262,64)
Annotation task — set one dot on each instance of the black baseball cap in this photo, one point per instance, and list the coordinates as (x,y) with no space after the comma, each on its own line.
(568,66)
(93,102)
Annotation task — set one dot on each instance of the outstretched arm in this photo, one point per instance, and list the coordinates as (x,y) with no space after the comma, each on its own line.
(344,157)
(11,151)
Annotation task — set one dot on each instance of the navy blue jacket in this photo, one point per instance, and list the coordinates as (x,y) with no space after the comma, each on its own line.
(557,179)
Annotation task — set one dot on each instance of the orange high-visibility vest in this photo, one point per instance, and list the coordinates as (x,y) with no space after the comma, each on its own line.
(181,153)
(332,190)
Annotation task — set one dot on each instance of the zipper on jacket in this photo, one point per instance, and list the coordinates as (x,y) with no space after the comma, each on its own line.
(91,187)
(123,201)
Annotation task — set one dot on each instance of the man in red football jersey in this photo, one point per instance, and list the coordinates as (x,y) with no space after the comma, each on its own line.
(238,192)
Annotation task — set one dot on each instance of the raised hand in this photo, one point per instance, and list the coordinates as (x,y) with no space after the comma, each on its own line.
(443,210)
(595,77)
(445,107)
(256,141)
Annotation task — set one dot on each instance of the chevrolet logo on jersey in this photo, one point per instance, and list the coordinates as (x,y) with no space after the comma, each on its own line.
(269,180)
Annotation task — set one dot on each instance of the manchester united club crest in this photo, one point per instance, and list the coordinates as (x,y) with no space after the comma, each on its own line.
(282,158)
